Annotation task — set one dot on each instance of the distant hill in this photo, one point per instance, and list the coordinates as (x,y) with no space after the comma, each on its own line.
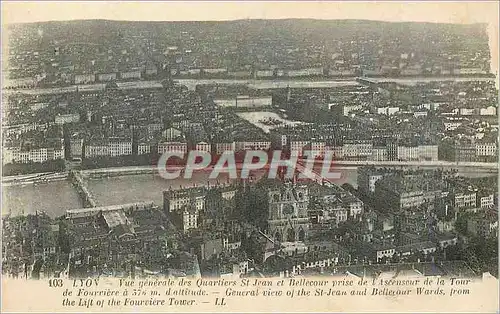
(294,29)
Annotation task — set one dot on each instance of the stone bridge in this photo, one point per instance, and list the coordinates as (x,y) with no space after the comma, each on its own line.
(82,189)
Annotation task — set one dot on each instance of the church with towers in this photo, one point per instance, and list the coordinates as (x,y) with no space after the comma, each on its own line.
(287,219)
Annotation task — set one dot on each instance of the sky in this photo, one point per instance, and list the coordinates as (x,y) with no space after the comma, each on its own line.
(448,12)
(423,11)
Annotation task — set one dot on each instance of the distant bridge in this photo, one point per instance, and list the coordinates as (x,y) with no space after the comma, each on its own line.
(82,189)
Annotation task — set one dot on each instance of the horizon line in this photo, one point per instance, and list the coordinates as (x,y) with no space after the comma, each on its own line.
(245,19)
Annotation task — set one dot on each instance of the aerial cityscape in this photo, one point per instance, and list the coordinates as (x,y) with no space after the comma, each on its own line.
(405,113)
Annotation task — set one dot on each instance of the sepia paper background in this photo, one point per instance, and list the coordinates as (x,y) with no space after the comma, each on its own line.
(36,296)
(27,296)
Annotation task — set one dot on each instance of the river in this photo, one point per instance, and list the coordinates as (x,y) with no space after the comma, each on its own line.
(254,84)
(56,197)
(150,187)
(416,80)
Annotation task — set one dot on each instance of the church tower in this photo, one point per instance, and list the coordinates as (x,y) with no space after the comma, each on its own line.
(288,220)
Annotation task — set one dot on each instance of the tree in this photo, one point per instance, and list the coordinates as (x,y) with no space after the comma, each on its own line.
(63,237)
(461,223)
